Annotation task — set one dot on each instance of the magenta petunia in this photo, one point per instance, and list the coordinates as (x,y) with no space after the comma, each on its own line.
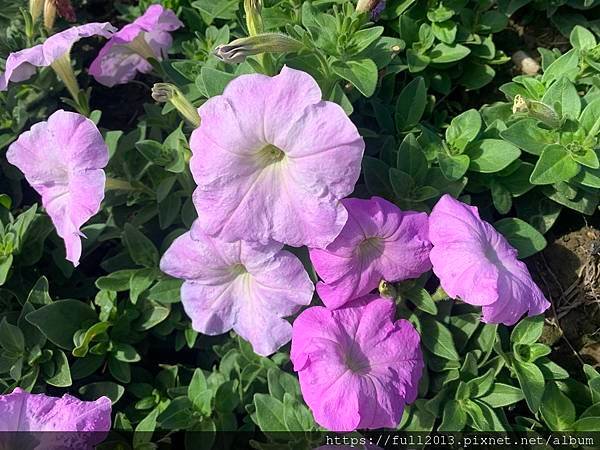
(21,65)
(272,161)
(24,412)
(357,367)
(62,159)
(127,52)
(378,242)
(476,264)
(240,286)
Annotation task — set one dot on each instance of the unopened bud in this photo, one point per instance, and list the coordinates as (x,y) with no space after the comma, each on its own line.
(387,290)
(36,7)
(49,15)
(254,22)
(237,51)
(166,92)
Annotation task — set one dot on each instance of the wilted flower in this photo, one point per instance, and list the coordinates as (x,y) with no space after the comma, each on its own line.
(239,286)
(476,264)
(62,159)
(55,52)
(357,367)
(62,7)
(21,411)
(128,51)
(272,161)
(238,50)
(378,242)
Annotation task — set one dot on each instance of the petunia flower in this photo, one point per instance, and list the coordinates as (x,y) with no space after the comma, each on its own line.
(272,161)
(128,51)
(357,367)
(240,286)
(378,242)
(62,159)
(55,52)
(476,264)
(84,424)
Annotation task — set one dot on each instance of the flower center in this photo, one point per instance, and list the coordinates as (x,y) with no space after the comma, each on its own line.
(372,246)
(238,269)
(357,364)
(270,154)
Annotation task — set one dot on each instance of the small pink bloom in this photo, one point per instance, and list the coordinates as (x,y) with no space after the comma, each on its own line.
(240,286)
(22,412)
(272,161)
(357,367)
(62,159)
(476,264)
(126,53)
(378,242)
(21,65)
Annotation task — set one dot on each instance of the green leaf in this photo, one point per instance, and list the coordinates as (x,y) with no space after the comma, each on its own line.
(491,155)
(119,369)
(376,176)
(140,281)
(60,320)
(438,339)
(141,249)
(502,395)
(453,166)
(477,76)
(555,164)
(281,382)
(362,73)
(166,291)
(401,182)
(565,66)
(557,410)
(590,117)
(422,300)
(562,96)
(269,413)
(411,159)
(213,81)
(93,331)
(126,353)
(94,391)
(501,197)
(463,129)
(454,417)
(444,53)
(411,104)
(587,158)
(211,10)
(588,424)
(62,373)
(532,383)
(593,378)
(11,338)
(526,239)
(581,38)
(39,293)
(144,429)
(528,330)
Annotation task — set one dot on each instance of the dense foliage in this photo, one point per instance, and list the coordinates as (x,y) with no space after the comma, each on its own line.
(429,85)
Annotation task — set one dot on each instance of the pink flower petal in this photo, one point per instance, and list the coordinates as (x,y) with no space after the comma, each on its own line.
(272,161)
(241,286)
(378,242)
(357,367)
(62,159)
(476,264)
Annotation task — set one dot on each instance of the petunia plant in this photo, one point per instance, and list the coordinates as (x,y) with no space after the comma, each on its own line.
(265,222)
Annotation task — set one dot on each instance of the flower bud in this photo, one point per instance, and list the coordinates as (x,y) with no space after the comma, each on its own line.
(49,15)
(254,22)
(166,92)
(237,51)
(36,7)
(387,290)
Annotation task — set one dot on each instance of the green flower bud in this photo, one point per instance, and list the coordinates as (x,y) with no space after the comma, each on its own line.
(166,92)
(254,22)
(237,51)
(387,290)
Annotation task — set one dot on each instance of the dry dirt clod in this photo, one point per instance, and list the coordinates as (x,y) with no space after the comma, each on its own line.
(525,63)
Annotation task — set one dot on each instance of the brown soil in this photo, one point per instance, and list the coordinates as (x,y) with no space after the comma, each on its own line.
(569,274)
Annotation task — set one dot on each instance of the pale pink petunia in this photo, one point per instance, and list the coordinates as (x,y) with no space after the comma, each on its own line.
(84,423)
(240,286)
(476,264)
(378,242)
(272,161)
(21,65)
(62,159)
(126,53)
(357,367)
